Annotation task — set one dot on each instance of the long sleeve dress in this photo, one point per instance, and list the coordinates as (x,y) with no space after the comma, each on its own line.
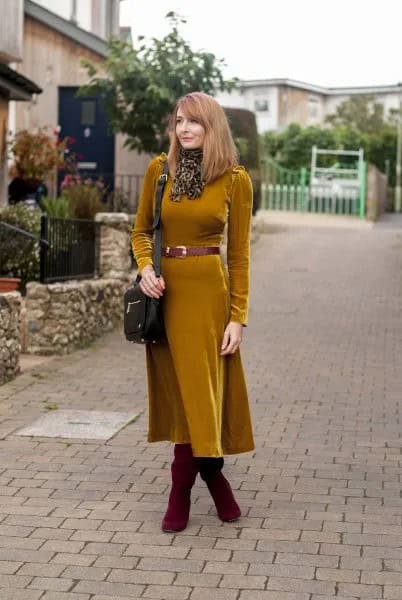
(196,395)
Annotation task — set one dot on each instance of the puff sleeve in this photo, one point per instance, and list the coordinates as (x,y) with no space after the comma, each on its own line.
(238,248)
(142,232)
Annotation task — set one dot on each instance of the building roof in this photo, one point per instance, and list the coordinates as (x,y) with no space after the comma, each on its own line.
(325,91)
(66,28)
(15,86)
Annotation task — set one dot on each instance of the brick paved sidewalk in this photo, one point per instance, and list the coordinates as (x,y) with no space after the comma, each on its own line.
(321,495)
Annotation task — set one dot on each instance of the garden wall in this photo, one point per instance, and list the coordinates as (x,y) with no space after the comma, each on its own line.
(10,311)
(62,317)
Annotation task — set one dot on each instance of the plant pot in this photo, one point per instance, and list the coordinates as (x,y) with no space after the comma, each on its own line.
(9,284)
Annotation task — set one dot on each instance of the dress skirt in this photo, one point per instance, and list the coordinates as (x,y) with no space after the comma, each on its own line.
(196,395)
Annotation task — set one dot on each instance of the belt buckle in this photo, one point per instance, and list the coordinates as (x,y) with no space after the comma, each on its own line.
(184,254)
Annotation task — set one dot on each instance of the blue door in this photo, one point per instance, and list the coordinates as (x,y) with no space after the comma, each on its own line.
(84,119)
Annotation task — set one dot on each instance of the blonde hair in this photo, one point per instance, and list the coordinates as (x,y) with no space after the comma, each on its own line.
(219,150)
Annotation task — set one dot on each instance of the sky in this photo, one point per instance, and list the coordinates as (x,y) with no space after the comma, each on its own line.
(322,42)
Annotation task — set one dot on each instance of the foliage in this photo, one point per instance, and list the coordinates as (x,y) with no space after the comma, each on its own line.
(37,154)
(291,148)
(381,151)
(362,113)
(56,207)
(243,125)
(361,122)
(19,255)
(244,130)
(143,83)
(83,196)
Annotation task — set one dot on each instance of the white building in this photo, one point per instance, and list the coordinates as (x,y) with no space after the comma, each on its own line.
(280,102)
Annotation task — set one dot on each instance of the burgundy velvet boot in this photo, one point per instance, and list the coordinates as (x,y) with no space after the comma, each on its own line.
(184,472)
(220,489)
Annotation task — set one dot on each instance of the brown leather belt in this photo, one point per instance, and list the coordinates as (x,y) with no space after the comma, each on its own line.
(183,251)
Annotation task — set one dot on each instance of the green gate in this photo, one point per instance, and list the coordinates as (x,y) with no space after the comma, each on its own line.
(335,189)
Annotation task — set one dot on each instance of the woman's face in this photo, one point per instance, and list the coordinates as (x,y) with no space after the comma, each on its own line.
(190,132)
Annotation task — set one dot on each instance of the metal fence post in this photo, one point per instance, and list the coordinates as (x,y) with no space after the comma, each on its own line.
(363,182)
(303,179)
(43,248)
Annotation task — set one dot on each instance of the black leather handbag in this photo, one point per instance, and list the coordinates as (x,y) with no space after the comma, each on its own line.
(143,319)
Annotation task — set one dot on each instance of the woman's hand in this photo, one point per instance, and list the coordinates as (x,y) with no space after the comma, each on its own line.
(150,284)
(231,338)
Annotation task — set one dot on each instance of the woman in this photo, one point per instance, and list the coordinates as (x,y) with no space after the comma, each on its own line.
(197,392)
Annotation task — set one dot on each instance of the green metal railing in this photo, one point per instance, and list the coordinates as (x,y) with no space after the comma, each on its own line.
(291,190)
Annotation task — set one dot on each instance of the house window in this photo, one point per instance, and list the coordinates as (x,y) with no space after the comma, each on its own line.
(261,105)
(88,112)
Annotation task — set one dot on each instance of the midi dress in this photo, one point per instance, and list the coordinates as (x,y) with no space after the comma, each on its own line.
(196,395)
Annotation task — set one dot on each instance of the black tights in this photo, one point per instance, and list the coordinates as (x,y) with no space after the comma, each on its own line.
(209,466)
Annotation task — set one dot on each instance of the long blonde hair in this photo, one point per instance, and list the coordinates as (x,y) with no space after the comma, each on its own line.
(219,150)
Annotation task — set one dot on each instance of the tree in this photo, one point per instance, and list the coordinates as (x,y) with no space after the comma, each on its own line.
(291,148)
(361,113)
(143,83)
(360,122)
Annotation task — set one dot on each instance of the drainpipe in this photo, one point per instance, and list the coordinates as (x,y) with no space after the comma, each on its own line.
(73,16)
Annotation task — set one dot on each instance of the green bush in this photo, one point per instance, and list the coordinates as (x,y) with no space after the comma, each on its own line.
(19,254)
(56,207)
(244,130)
(84,196)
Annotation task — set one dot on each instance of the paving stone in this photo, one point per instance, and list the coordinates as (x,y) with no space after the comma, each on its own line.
(167,593)
(51,583)
(139,576)
(257,595)
(109,589)
(360,590)
(171,564)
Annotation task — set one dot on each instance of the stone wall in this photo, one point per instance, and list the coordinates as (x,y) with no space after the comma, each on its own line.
(376,193)
(10,308)
(62,317)
(115,257)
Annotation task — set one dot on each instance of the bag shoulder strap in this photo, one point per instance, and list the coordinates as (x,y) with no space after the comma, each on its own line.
(157,225)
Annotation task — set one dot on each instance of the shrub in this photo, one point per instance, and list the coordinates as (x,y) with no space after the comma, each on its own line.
(37,154)
(244,130)
(19,255)
(84,196)
(56,207)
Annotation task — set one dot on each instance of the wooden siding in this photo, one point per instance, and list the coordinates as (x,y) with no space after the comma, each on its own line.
(53,60)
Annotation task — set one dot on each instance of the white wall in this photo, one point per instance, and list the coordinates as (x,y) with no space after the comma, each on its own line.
(11,30)
(59,7)
(230,100)
(266,120)
(63,9)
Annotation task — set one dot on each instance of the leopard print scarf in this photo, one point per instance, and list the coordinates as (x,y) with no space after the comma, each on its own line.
(188,178)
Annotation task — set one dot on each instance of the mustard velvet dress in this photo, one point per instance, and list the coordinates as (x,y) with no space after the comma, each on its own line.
(196,395)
